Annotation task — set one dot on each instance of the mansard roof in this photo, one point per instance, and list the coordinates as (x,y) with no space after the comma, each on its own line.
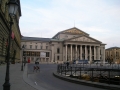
(35,39)
(74,31)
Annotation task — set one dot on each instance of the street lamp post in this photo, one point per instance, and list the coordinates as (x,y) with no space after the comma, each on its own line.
(12,6)
(22,58)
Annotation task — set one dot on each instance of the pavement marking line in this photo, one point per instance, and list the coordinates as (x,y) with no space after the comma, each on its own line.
(35,83)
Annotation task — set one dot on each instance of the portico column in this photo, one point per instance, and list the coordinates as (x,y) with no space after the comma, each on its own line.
(102,54)
(90,55)
(71,52)
(98,53)
(94,52)
(76,51)
(85,52)
(66,52)
(80,52)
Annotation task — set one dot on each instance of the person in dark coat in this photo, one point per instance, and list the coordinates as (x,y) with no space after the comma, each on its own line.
(67,64)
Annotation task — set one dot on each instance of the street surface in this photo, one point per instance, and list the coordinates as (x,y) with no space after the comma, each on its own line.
(16,77)
(46,80)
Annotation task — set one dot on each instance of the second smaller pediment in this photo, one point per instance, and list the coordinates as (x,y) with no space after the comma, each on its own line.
(83,39)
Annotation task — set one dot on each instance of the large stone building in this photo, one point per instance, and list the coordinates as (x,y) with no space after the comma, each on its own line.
(70,44)
(112,55)
(5,30)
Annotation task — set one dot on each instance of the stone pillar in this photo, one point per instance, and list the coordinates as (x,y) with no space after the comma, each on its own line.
(66,52)
(102,54)
(90,55)
(98,53)
(76,52)
(80,52)
(71,52)
(52,52)
(85,52)
(94,52)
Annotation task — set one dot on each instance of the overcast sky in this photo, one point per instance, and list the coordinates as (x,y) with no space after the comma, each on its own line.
(99,18)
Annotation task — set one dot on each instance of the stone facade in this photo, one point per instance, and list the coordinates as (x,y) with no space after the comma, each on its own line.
(112,55)
(67,45)
(4,32)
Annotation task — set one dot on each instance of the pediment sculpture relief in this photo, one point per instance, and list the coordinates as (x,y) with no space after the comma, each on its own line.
(84,39)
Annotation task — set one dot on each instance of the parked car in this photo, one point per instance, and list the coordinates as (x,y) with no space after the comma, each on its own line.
(81,61)
(74,62)
(36,62)
(106,62)
(97,62)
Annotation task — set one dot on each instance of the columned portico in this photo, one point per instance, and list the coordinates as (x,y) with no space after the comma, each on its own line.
(87,52)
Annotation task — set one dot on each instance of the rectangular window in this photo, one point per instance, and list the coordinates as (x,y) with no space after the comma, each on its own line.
(47,54)
(30,46)
(57,57)
(41,47)
(58,50)
(25,46)
(46,47)
(35,47)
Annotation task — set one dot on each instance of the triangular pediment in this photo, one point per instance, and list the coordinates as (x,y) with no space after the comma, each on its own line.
(71,31)
(83,39)
(74,30)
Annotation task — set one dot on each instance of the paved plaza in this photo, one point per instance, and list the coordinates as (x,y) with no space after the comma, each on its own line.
(43,80)
(16,78)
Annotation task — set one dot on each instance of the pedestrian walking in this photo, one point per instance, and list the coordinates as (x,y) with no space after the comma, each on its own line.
(67,64)
(37,68)
(34,69)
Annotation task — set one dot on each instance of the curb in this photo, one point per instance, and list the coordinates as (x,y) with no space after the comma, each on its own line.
(29,82)
(25,77)
(88,83)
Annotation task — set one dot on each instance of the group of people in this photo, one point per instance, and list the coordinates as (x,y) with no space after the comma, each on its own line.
(36,68)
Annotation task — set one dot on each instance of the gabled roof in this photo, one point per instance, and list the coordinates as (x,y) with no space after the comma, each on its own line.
(35,39)
(73,30)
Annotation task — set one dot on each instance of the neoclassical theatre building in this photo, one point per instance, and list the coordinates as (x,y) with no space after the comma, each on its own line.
(67,45)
